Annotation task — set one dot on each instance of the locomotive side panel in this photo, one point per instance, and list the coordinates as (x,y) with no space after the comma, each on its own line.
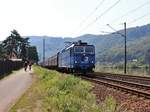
(64,59)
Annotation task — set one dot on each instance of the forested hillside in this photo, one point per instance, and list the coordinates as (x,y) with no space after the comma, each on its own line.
(109,48)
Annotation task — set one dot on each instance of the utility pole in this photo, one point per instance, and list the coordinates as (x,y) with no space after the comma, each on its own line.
(125,45)
(44,50)
(125,52)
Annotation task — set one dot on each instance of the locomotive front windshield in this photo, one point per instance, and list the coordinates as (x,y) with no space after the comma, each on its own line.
(89,49)
(79,49)
(84,49)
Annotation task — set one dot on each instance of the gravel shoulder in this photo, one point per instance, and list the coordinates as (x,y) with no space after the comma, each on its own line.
(12,87)
(126,102)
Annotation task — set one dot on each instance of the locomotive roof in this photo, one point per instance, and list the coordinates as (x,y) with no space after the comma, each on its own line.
(79,43)
(72,45)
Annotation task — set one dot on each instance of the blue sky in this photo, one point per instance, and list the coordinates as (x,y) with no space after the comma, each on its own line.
(63,17)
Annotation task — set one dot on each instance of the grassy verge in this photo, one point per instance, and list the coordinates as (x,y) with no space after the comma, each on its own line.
(139,71)
(54,92)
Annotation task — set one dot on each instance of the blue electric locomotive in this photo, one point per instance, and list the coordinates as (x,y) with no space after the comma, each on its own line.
(78,57)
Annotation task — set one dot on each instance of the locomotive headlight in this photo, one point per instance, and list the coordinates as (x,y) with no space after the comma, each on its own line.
(75,61)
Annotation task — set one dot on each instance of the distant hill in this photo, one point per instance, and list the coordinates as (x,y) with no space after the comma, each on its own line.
(52,44)
(109,48)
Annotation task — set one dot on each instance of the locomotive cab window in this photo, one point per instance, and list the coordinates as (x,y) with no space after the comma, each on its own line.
(89,49)
(79,49)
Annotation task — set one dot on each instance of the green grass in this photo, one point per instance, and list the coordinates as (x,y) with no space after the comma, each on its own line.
(53,92)
(137,71)
(109,105)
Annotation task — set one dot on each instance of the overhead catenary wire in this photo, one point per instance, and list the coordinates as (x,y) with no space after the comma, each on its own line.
(141,17)
(129,23)
(132,11)
(132,21)
(102,14)
(115,30)
(97,7)
(129,12)
(106,32)
(84,20)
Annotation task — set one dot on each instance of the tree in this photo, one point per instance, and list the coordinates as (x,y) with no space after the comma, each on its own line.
(8,45)
(2,52)
(15,43)
(23,48)
(32,54)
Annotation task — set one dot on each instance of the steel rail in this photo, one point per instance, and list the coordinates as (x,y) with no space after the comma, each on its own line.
(118,86)
(139,79)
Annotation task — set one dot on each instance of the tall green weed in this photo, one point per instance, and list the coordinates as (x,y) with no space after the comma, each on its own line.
(66,93)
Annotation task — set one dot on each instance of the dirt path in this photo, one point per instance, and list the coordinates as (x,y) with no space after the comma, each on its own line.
(12,87)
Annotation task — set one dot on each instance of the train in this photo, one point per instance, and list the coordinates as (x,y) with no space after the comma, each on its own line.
(77,57)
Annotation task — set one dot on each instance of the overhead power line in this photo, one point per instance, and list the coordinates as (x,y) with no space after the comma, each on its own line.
(106,32)
(115,30)
(100,16)
(95,9)
(132,11)
(141,17)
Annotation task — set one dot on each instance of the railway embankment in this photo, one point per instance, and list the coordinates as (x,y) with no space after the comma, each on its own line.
(126,102)
(132,93)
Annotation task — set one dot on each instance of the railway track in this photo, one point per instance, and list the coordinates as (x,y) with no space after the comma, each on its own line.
(132,84)
(138,79)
